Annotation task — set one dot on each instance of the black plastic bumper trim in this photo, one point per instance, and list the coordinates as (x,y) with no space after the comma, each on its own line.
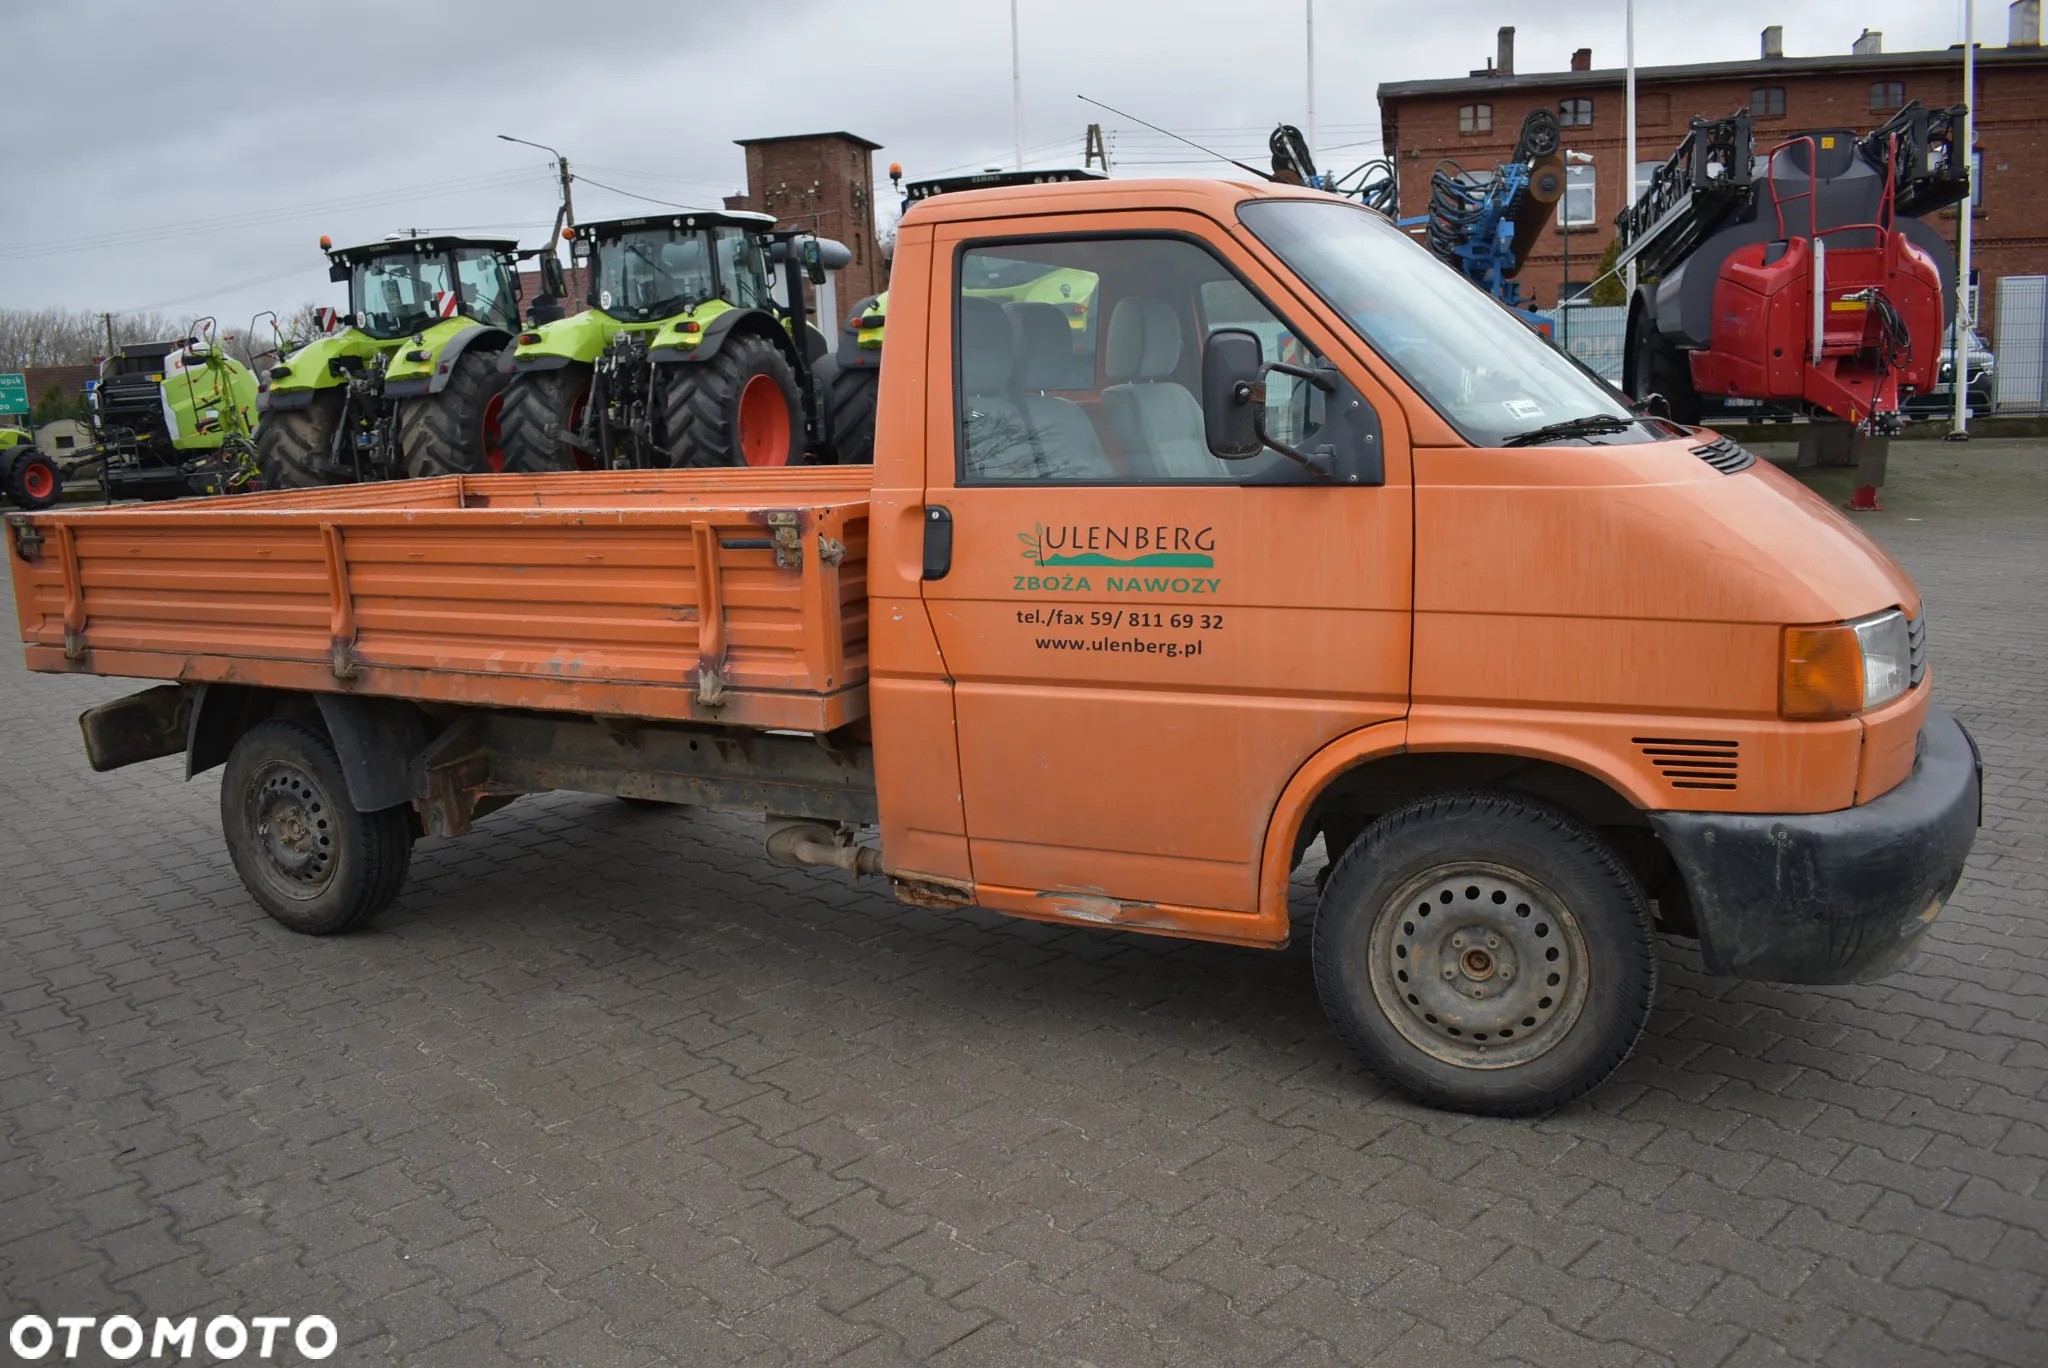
(1832,897)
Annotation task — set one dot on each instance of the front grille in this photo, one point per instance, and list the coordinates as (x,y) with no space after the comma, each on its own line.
(1916,648)
(1726,456)
(1691,762)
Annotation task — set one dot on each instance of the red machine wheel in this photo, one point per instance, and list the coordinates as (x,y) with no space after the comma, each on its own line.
(33,481)
(494,447)
(764,429)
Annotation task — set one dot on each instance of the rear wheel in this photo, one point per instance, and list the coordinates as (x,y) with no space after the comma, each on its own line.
(292,445)
(302,850)
(1658,367)
(538,408)
(853,394)
(458,431)
(1486,953)
(739,407)
(33,481)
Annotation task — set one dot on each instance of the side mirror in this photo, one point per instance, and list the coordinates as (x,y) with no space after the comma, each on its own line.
(1231,362)
(551,281)
(337,271)
(812,260)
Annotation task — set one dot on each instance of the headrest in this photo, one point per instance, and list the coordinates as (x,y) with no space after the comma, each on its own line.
(1144,340)
(1048,345)
(988,349)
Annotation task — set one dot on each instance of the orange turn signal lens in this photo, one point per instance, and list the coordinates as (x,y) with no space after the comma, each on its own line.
(1823,674)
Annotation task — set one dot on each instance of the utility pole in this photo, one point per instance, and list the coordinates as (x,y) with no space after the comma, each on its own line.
(1016,93)
(107,321)
(1629,274)
(1311,77)
(566,215)
(1959,430)
(1095,150)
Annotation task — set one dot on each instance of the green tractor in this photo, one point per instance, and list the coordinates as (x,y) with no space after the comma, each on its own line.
(684,357)
(30,477)
(857,366)
(174,418)
(410,385)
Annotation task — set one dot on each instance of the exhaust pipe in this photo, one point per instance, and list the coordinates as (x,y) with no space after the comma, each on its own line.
(810,844)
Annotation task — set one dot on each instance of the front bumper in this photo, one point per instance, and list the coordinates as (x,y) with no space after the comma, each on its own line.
(1832,897)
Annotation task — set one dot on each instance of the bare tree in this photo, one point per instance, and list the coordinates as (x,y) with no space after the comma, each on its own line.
(69,337)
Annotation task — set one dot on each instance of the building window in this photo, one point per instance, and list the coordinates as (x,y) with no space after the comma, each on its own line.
(1575,210)
(1575,113)
(1977,179)
(1767,102)
(1475,118)
(1887,94)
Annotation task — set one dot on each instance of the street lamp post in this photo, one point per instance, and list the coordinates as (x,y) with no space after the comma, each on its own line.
(567,213)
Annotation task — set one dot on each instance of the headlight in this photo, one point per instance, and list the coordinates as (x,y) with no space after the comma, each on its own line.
(1844,668)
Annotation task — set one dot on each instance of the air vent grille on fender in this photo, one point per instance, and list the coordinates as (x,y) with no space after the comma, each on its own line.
(1916,647)
(1690,763)
(1726,456)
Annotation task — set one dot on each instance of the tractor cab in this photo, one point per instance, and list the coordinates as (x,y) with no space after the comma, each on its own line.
(645,269)
(405,284)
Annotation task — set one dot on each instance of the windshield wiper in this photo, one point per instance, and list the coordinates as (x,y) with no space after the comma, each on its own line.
(1588,426)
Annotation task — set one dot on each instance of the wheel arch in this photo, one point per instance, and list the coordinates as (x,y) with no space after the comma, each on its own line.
(730,324)
(1379,768)
(376,738)
(480,334)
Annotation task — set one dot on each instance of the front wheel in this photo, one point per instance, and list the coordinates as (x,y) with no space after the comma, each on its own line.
(294,446)
(459,430)
(1483,952)
(302,850)
(540,412)
(739,407)
(853,392)
(32,480)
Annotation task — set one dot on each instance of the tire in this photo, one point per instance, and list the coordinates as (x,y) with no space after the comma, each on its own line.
(292,445)
(1660,368)
(1520,891)
(538,406)
(723,411)
(33,480)
(852,394)
(302,850)
(458,431)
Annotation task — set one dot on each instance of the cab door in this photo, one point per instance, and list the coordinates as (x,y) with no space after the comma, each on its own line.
(1145,642)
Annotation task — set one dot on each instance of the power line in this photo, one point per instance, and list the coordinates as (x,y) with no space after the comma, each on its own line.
(669,204)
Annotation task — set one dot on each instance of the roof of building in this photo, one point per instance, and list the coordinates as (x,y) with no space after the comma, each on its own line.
(1748,67)
(809,137)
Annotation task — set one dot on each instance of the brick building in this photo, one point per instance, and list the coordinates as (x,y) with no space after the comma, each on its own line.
(824,182)
(1473,120)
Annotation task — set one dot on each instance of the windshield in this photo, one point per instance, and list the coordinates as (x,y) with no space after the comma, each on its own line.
(650,273)
(401,292)
(1478,365)
(486,287)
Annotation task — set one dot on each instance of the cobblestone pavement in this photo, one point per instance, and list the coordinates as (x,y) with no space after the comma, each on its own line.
(605,1088)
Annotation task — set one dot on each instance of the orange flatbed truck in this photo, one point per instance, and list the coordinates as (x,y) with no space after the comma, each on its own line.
(1295,535)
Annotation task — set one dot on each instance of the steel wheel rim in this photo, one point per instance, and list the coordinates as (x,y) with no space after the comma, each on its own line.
(763,422)
(1479,965)
(294,820)
(37,480)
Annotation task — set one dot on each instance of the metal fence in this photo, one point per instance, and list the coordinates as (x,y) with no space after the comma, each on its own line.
(2020,349)
(1596,335)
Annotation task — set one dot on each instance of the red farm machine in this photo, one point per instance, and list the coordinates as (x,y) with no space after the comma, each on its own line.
(1803,276)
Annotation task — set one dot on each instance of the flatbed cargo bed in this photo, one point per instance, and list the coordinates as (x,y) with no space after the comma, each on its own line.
(730,596)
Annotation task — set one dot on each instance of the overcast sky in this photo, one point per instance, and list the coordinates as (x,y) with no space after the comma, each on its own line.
(186,157)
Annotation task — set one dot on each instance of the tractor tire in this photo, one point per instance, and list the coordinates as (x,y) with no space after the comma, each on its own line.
(1662,369)
(852,396)
(292,445)
(33,481)
(538,407)
(737,408)
(302,849)
(1484,952)
(458,431)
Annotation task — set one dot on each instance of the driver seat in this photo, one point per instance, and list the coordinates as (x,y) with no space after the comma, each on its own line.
(1157,423)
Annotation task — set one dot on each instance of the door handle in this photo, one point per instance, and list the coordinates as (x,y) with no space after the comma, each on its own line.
(938,542)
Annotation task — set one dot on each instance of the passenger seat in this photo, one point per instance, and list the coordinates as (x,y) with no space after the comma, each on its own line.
(1068,445)
(997,438)
(1157,423)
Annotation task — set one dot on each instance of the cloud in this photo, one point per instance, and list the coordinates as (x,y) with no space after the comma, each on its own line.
(249,129)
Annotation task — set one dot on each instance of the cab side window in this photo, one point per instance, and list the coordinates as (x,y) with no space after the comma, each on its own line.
(1079,361)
